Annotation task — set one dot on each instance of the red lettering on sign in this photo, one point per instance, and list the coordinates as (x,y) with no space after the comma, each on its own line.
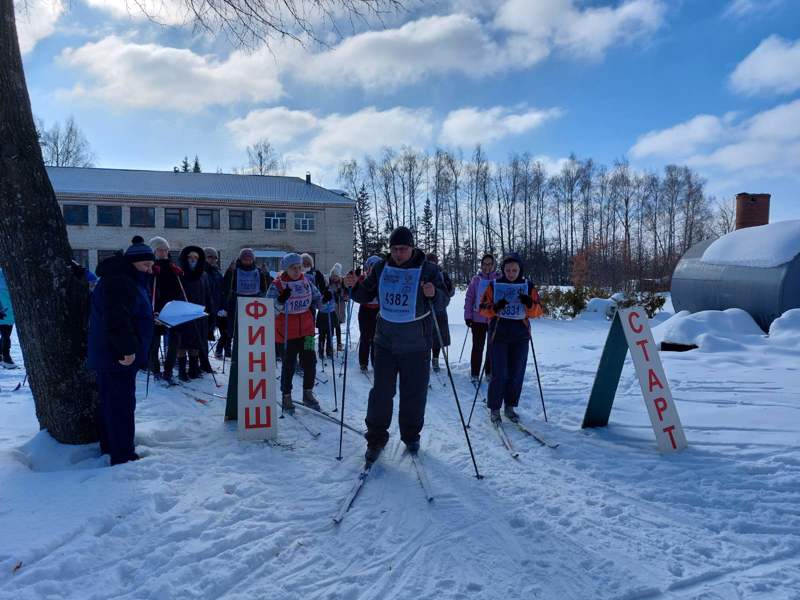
(653,380)
(261,387)
(258,424)
(643,345)
(254,334)
(256,309)
(668,430)
(630,322)
(262,360)
(661,406)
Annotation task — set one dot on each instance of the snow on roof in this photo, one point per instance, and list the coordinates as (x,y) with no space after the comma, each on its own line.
(710,330)
(765,246)
(210,186)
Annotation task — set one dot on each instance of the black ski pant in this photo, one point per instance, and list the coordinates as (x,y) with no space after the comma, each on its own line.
(414,371)
(367,321)
(308,360)
(509,360)
(224,342)
(5,341)
(115,418)
(479,333)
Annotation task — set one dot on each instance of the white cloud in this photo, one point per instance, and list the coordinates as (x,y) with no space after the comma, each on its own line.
(586,32)
(773,67)
(163,12)
(36,20)
(739,9)
(768,143)
(469,126)
(127,74)
(279,124)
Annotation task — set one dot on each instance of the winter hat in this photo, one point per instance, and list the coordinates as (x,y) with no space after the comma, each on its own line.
(211,252)
(158,242)
(139,252)
(372,261)
(512,257)
(336,270)
(244,252)
(292,258)
(137,239)
(306,256)
(488,255)
(401,236)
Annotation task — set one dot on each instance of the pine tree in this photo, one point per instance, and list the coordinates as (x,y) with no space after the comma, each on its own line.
(196,167)
(185,165)
(427,227)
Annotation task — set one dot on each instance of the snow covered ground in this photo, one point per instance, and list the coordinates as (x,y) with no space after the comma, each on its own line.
(203,515)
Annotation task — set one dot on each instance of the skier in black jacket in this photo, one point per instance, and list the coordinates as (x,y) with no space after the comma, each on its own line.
(409,290)
(120,330)
(194,335)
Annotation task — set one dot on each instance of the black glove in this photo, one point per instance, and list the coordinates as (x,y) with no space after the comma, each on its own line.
(499,306)
(327,296)
(526,300)
(284,295)
(469,323)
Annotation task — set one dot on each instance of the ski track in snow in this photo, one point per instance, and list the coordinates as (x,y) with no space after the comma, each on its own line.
(603,516)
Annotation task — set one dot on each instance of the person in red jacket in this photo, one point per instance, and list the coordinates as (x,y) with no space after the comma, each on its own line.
(296,298)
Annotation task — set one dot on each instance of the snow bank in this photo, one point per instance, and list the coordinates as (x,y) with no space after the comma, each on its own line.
(786,328)
(43,453)
(710,330)
(765,246)
(599,308)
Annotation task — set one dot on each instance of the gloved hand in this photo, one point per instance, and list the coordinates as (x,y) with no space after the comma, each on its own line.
(500,305)
(284,295)
(327,296)
(222,313)
(526,300)
(469,323)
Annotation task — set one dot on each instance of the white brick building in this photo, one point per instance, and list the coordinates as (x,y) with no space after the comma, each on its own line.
(105,208)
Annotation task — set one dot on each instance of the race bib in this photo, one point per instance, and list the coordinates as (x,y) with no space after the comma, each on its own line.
(300,300)
(248,283)
(510,292)
(482,285)
(397,294)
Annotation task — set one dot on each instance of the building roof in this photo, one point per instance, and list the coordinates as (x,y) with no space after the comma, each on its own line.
(206,186)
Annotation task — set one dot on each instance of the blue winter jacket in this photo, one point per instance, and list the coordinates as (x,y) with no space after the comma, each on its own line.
(5,301)
(121,318)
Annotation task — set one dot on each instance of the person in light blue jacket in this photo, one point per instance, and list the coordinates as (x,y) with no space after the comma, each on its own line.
(6,323)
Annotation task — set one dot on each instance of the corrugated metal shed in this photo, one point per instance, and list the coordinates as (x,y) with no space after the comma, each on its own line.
(201,186)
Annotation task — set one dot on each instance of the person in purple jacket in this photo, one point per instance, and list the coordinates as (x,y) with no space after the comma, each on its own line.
(474,320)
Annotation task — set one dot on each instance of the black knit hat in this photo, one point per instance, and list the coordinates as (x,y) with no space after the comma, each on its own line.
(401,236)
(138,251)
(512,257)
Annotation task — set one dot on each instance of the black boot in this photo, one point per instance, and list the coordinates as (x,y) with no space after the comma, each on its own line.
(194,367)
(205,365)
(182,375)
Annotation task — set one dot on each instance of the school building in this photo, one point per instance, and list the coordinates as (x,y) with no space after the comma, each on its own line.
(105,208)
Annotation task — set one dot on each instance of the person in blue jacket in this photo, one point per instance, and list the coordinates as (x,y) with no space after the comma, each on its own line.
(120,333)
(6,323)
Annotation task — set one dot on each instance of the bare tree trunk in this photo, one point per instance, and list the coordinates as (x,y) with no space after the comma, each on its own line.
(49,301)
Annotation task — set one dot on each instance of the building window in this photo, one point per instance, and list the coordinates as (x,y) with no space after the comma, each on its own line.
(104,254)
(81,257)
(76,214)
(208,218)
(142,216)
(240,219)
(109,216)
(176,218)
(275,221)
(304,221)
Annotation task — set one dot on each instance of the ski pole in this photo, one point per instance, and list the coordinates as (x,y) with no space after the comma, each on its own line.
(455,393)
(483,371)
(333,366)
(536,365)
(285,352)
(344,379)
(463,345)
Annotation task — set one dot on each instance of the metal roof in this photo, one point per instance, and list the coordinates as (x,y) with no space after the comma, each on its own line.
(207,186)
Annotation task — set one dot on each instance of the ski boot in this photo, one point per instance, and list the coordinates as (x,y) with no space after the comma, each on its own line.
(474,380)
(511,415)
(496,419)
(372,453)
(287,404)
(364,369)
(435,364)
(182,375)
(310,400)
(412,447)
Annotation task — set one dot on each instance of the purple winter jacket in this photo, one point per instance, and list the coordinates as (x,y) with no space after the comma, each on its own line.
(474,292)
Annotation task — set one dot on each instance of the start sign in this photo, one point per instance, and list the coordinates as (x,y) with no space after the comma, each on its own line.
(256,386)
(631,330)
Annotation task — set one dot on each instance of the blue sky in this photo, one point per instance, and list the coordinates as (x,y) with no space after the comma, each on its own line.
(710,83)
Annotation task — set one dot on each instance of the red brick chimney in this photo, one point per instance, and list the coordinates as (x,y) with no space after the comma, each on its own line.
(752,210)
